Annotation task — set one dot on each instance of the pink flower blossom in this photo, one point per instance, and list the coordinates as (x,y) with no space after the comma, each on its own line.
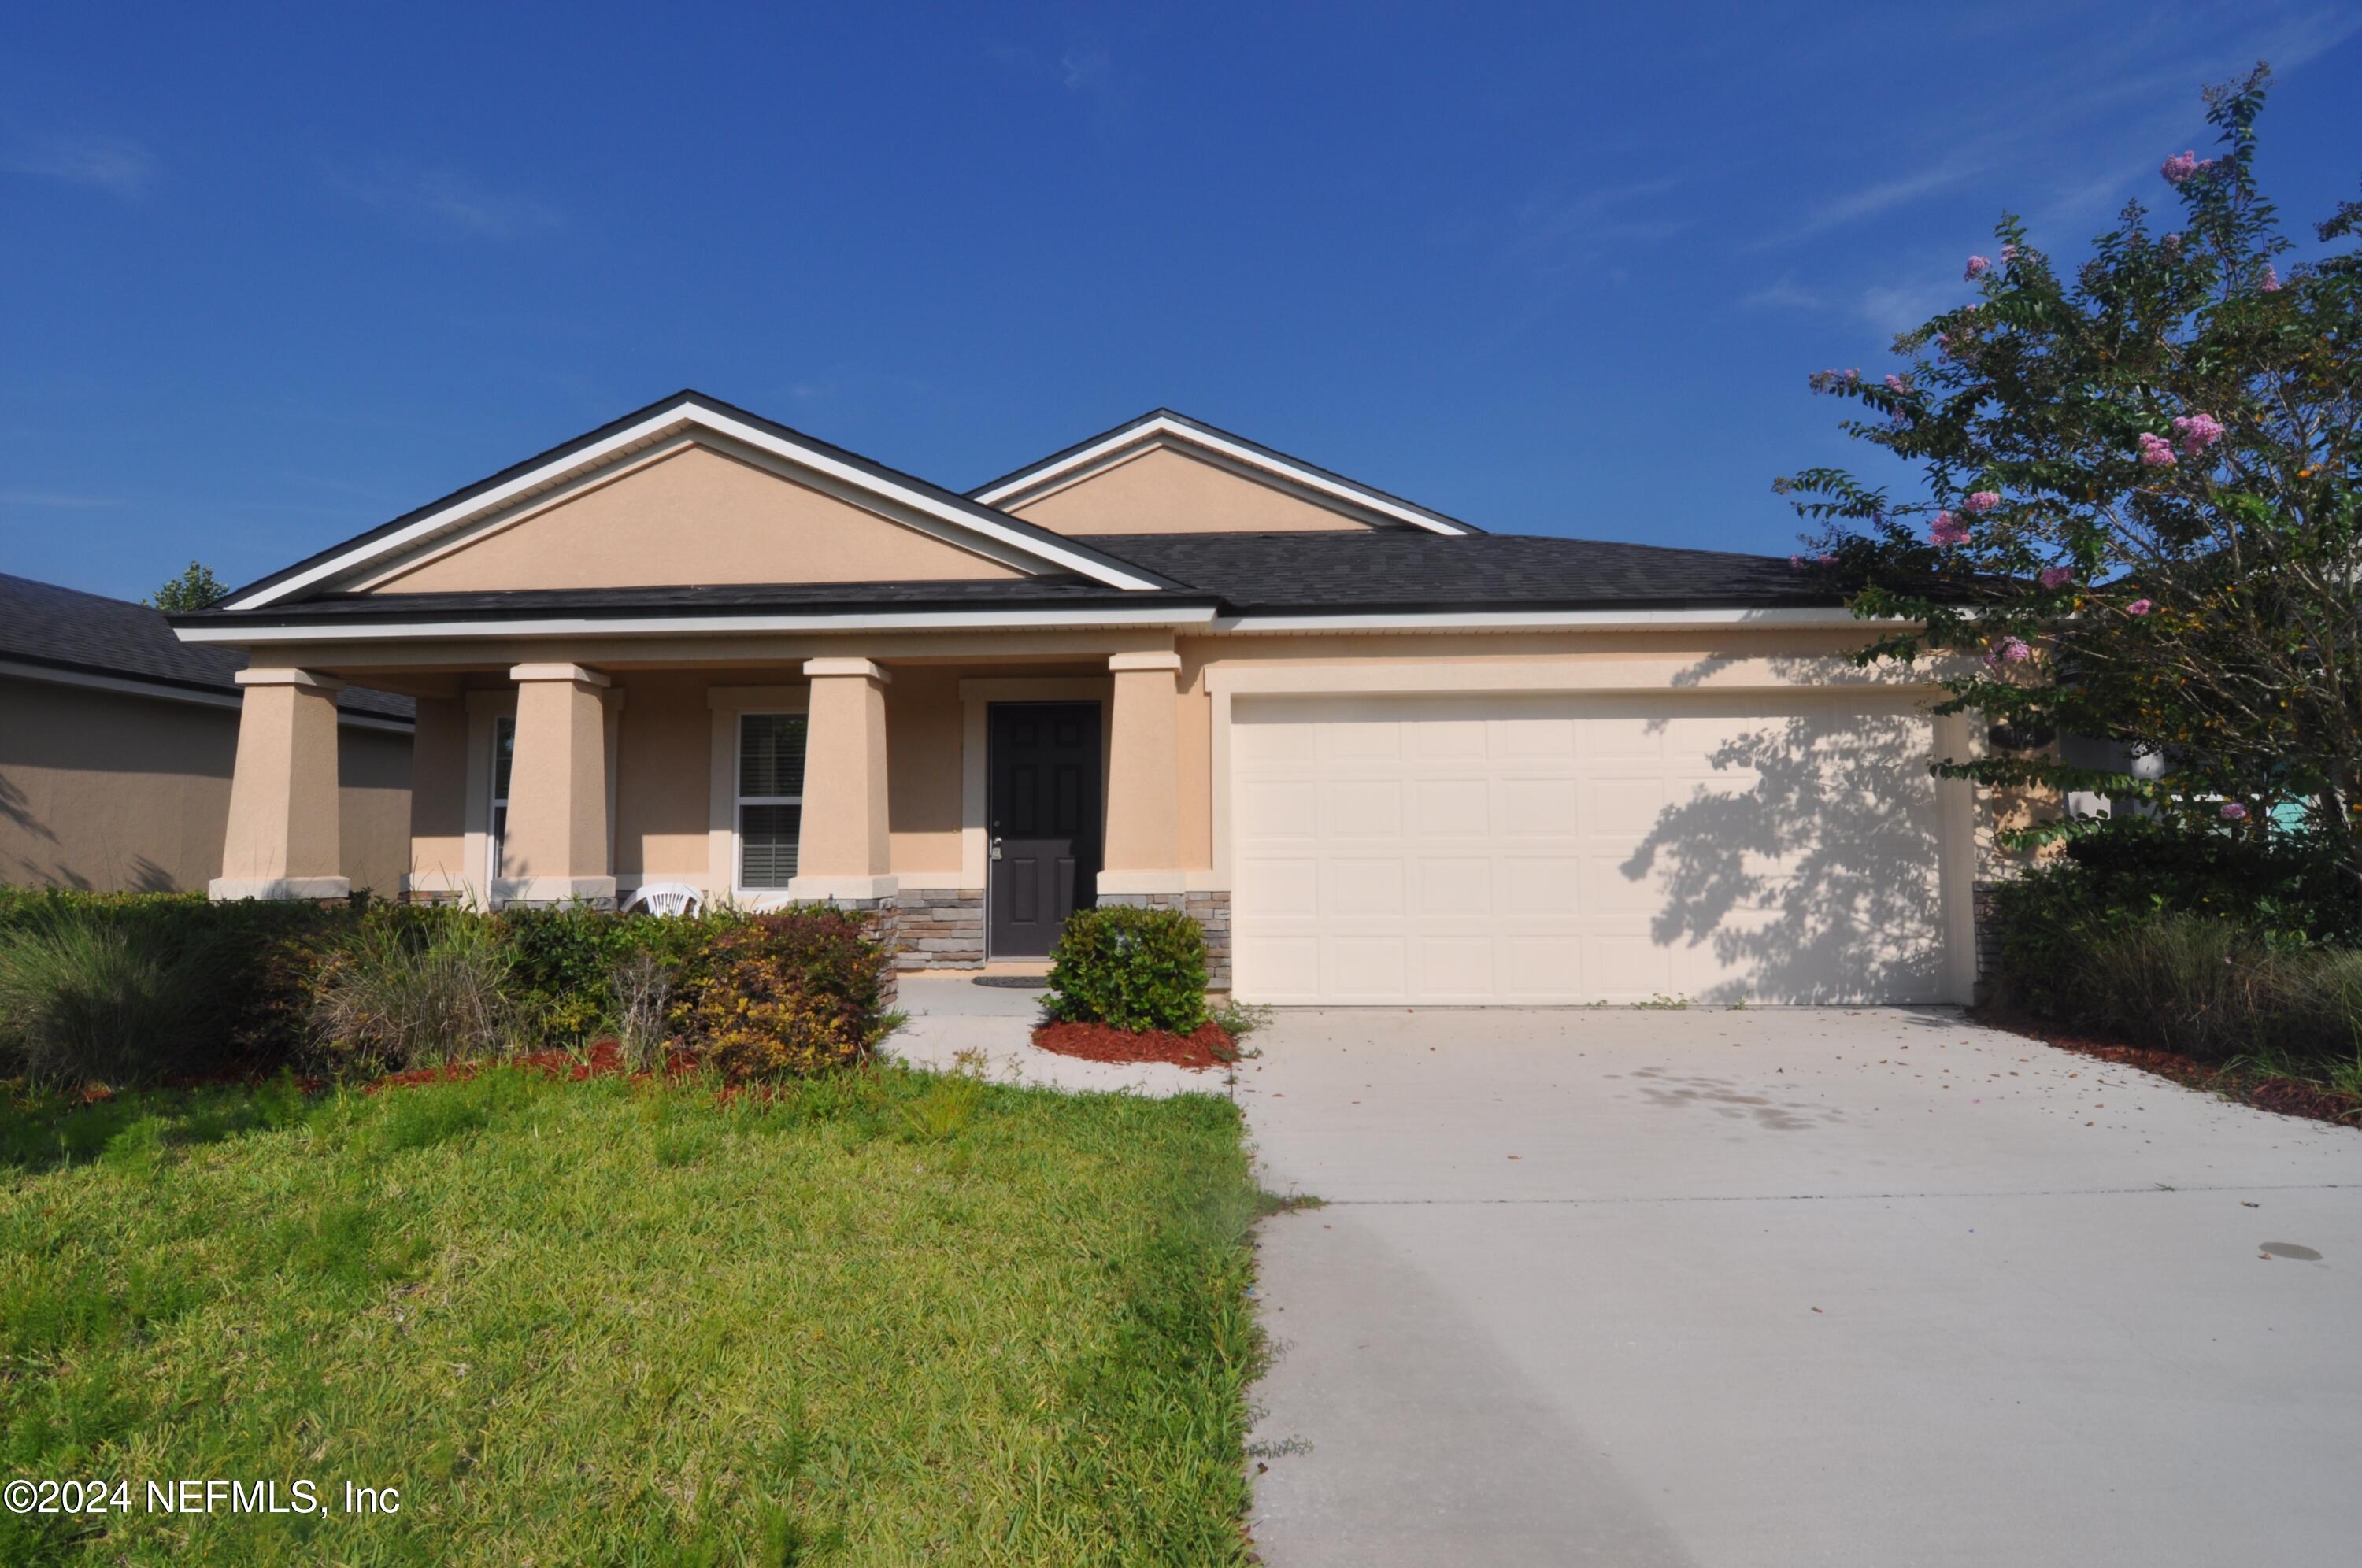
(2181,166)
(2014,651)
(1825,558)
(1976,264)
(2198,431)
(2155,452)
(2058,576)
(1795,563)
(1897,385)
(2139,607)
(1982,502)
(1948,529)
(2233,812)
(2173,242)
(2271,279)
(2009,253)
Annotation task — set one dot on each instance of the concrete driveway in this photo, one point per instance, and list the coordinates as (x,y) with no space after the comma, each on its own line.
(1791,1286)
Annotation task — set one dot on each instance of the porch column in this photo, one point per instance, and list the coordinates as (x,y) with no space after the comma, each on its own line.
(283,840)
(556,846)
(842,852)
(1144,796)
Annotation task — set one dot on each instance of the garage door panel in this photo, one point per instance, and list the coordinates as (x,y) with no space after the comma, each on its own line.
(1453,886)
(1575,849)
(1368,968)
(1362,808)
(1451,807)
(1534,807)
(1362,886)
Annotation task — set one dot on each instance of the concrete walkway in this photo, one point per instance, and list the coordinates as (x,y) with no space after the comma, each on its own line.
(1794,1287)
(950,1013)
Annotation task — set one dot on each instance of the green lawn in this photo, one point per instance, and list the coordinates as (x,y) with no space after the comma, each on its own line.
(883,1318)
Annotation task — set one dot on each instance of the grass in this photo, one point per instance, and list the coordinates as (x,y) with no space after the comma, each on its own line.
(882,1318)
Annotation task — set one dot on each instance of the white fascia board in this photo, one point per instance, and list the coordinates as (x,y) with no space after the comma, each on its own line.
(654,426)
(1166,429)
(692,626)
(1517,620)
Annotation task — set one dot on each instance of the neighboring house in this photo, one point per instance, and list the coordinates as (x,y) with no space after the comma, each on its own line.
(1386,757)
(115,748)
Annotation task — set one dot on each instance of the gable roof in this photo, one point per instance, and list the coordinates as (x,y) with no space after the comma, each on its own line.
(76,634)
(995,532)
(1163,426)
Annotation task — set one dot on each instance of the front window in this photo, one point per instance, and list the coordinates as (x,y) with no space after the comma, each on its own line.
(503,756)
(770,797)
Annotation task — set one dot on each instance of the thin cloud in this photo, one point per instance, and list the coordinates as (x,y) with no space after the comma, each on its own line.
(1557,232)
(112,164)
(57,500)
(1784,294)
(1087,67)
(447,202)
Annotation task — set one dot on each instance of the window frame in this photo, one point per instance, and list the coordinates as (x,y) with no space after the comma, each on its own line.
(739,887)
(496,801)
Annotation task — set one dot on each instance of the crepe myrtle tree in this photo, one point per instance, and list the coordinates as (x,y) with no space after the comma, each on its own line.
(2137,508)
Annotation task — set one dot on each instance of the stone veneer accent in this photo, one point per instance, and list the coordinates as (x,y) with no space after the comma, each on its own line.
(941,928)
(1987,940)
(1211,911)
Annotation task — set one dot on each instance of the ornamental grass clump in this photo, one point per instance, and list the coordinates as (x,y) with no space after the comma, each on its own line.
(413,994)
(1130,968)
(84,1002)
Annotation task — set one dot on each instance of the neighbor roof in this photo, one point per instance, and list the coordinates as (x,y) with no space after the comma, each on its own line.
(1163,426)
(71,632)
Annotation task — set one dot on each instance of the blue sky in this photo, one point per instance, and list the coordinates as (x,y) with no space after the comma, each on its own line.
(273,277)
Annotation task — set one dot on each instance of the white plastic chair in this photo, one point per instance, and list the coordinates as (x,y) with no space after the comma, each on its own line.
(667,899)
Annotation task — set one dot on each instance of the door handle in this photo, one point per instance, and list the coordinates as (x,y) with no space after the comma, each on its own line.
(996,848)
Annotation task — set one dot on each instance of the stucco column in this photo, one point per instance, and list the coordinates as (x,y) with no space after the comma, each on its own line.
(844,852)
(556,846)
(283,841)
(1142,853)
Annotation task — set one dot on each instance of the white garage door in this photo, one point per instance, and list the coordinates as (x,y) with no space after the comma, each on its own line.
(1566,849)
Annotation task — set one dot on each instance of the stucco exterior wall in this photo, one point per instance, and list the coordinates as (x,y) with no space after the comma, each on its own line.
(113,792)
(1166,491)
(923,719)
(663,764)
(694,515)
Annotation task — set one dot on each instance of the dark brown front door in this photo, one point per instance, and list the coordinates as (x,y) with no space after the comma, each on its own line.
(1044,816)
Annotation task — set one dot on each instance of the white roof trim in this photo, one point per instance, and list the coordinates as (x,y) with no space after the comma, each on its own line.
(664,422)
(586,625)
(1165,431)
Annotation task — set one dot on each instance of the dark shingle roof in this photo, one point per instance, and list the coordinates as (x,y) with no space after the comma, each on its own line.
(1056,592)
(63,628)
(1373,570)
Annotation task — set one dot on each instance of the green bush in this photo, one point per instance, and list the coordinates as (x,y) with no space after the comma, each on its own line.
(123,988)
(784,995)
(1134,969)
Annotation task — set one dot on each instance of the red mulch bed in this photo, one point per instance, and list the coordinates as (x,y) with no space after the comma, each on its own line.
(1209,1046)
(2289,1097)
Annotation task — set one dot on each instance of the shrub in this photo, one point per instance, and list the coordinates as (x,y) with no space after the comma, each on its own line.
(413,994)
(784,995)
(566,960)
(1134,969)
(86,1001)
(2183,982)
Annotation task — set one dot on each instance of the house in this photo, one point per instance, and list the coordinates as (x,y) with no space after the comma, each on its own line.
(1384,757)
(115,748)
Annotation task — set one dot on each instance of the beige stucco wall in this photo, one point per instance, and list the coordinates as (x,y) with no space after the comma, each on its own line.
(663,763)
(115,791)
(694,515)
(923,720)
(1163,490)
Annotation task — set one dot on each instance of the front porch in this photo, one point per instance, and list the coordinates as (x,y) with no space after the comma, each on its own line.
(897,778)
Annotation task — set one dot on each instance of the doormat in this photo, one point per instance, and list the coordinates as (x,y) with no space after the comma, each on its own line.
(1015,982)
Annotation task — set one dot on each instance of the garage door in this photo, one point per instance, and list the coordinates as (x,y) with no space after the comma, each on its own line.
(1563,849)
